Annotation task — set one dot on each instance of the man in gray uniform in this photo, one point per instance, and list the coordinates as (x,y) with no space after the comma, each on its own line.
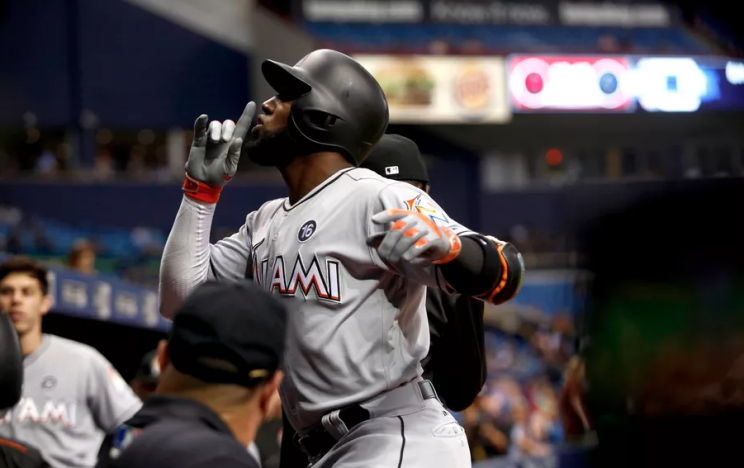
(456,362)
(355,250)
(72,396)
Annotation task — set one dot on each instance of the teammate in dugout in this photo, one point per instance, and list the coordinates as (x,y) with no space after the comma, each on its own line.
(356,249)
(456,363)
(72,395)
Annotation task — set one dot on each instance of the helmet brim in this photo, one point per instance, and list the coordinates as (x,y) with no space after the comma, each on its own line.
(287,81)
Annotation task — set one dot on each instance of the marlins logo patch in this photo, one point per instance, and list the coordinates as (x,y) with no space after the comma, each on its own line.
(427,209)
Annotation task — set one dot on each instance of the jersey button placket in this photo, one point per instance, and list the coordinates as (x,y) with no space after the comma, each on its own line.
(279,226)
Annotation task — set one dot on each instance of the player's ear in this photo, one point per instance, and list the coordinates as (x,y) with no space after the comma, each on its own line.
(267,392)
(163,357)
(426,188)
(46,304)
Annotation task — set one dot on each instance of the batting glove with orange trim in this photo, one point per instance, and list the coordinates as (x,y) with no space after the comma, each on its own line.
(215,151)
(413,238)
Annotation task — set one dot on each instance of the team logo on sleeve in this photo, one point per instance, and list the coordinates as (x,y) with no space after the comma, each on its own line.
(428,209)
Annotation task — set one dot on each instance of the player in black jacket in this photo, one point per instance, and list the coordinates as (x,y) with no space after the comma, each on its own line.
(456,362)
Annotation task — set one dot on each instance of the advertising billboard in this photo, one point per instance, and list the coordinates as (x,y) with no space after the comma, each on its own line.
(563,83)
(432,89)
(617,84)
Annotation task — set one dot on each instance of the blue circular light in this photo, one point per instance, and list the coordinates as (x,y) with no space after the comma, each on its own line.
(608,83)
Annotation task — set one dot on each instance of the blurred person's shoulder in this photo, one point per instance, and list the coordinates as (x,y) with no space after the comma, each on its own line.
(366,182)
(69,348)
(19,455)
(185,444)
(74,352)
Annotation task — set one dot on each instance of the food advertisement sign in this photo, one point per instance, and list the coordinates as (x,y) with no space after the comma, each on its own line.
(431,89)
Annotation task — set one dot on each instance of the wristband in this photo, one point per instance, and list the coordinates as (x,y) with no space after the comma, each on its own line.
(454,241)
(200,191)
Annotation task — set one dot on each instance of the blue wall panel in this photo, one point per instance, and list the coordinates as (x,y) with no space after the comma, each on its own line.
(140,70)
(34,62)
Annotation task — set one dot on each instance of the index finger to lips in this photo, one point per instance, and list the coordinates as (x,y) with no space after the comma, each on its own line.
(244,122)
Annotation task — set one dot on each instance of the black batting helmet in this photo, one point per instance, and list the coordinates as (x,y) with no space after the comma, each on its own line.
(337,104)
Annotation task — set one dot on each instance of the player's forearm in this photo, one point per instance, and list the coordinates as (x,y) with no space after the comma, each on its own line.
(486,269)
(185,262)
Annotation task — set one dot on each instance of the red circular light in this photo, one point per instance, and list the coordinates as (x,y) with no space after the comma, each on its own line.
(554,157)
(534,83)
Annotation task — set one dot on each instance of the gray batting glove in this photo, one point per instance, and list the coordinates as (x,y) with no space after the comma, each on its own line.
(413,238)
(215,151)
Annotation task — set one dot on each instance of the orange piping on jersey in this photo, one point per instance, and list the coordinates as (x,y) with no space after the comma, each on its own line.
(13,445)
(500,284)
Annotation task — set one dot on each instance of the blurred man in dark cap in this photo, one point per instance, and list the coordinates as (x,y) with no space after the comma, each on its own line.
(13,454)
(456,362)
(219,371)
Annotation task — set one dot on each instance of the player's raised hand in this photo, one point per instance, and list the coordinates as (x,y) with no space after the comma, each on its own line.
(215,150)
(413,238)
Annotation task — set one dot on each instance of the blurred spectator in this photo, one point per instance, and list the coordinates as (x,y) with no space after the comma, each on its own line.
(104,165)
(72,396)
(42,244)
(82,257)
(529,436)
(485,438)
(47,163)
(573,407)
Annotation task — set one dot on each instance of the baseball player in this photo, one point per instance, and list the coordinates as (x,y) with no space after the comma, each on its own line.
(356,250)
(456,363)
(72,396)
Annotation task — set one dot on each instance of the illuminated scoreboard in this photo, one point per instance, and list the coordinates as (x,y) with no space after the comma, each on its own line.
(619,84)
(569,84)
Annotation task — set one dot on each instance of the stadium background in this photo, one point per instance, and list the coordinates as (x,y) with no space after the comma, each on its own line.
(535,117)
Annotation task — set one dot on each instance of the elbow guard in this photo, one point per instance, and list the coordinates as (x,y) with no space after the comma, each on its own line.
(504,265)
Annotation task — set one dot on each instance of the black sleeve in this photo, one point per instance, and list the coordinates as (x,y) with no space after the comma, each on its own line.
(458,361)
(437,325)
(291,455)
(486,269)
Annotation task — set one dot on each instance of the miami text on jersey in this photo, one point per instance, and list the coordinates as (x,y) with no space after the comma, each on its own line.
(302,278)
(427,209)
(28,411)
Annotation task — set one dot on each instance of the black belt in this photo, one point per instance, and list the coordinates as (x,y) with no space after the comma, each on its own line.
(317,441)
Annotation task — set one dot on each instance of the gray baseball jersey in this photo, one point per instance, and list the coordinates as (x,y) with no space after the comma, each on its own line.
(360,325)
(72,396)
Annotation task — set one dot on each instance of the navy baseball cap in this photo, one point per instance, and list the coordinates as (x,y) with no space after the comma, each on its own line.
(228,333)
(398,158)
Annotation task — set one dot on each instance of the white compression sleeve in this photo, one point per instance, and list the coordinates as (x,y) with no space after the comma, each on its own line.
(185,262)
